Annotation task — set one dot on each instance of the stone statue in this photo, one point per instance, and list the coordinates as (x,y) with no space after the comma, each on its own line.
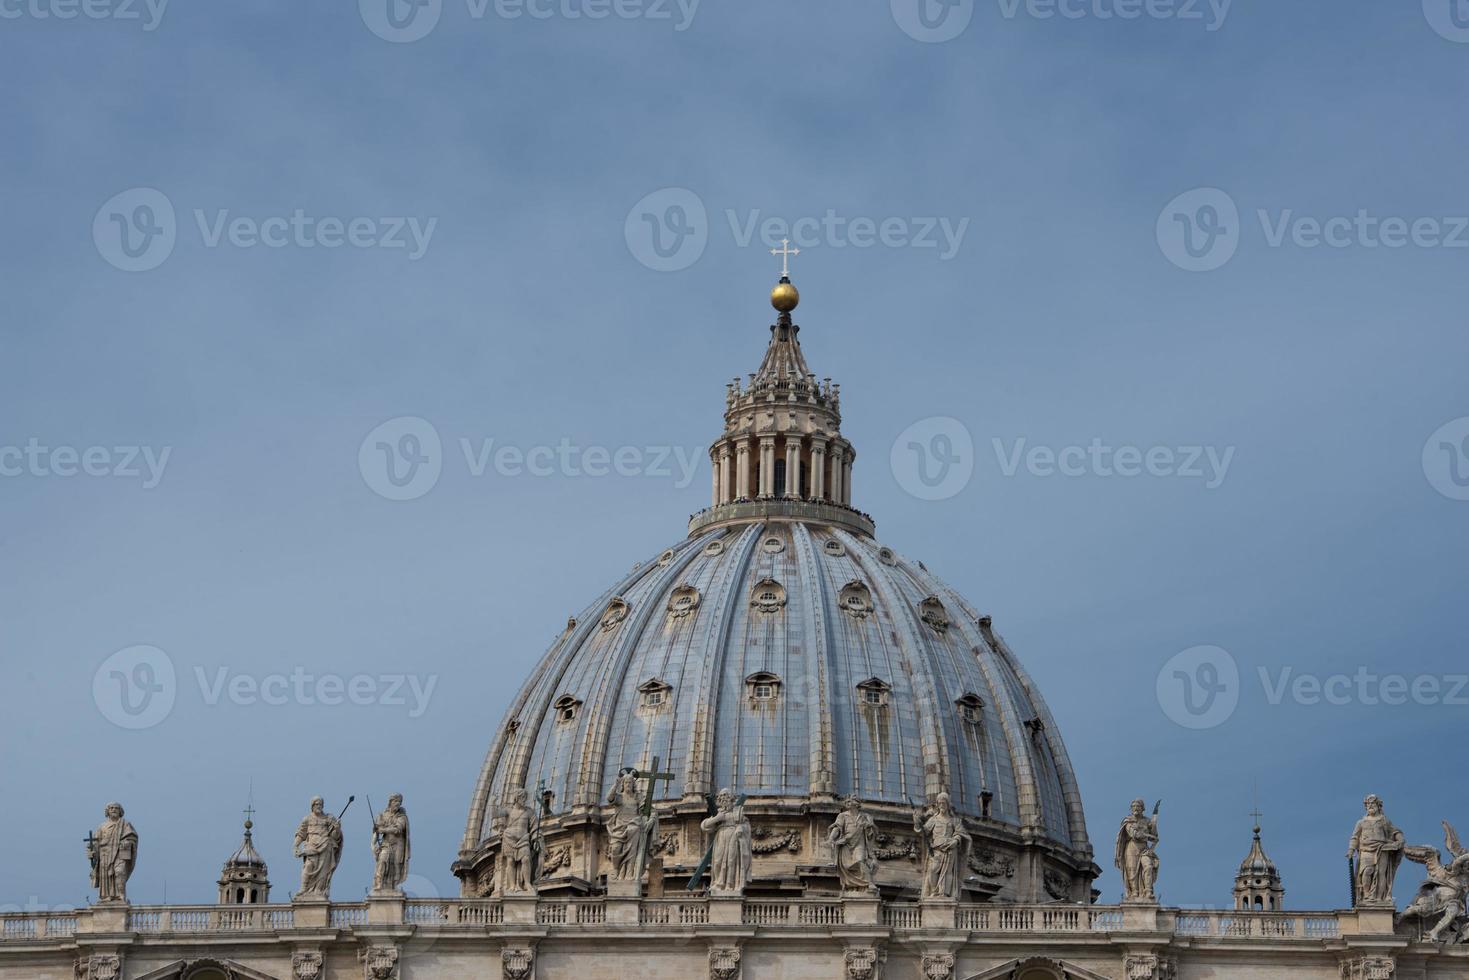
(732,853)
(853,837)
(515,844)
(1137,856)
(391,847)
(1377,847)
(1442,896)
(946,848)
(319,846)
(629,833)
(113,850)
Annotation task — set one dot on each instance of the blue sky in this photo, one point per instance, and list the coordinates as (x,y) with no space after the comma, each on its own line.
(532,308)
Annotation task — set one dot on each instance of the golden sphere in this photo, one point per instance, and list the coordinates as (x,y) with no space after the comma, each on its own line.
(784,296)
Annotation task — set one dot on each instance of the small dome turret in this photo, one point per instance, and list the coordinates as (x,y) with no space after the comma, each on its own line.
(245,879)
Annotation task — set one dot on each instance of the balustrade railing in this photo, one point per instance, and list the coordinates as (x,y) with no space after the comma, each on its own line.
(1257,925)
(771,913)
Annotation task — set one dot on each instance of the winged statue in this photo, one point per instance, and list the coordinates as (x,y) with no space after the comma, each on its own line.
(1442,896)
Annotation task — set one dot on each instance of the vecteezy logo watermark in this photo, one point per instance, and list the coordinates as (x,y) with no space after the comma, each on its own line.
(1200,687)
(1450,18)
(135,688)
(137,230)
(148,12)
(668,230)
(123,462)
(402,459)
(401,21)
(405,21)
(1207,463)
(1446,459)
(932,21)
(1201,230)
(933,459)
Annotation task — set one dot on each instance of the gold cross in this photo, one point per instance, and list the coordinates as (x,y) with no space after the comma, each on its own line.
(785,252)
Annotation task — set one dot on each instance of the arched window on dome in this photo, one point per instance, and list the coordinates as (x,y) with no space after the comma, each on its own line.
(768,596)
(567,708)
(762,687)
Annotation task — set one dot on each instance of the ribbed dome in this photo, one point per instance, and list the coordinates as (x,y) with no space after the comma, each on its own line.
(781,651)
(816,613)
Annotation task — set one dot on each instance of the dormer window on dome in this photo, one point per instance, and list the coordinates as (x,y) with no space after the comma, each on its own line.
(874,692)
(567,708)
(834,548)
(971,708)
(768,596)
(654,694)
(762,686)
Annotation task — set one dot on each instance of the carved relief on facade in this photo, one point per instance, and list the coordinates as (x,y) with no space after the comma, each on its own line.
(1150,966)
(988,864)
(102,966)
(895,847)
(864,963)
(306,966)
(724,963)
(379,963)
(518,964)
(768,840)
(1368,968)
(1057,885)
(938,966)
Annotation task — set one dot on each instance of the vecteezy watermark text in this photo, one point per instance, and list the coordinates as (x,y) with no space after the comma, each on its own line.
(149,13)
(137,230)
(137,688)
(406,21)
(146,463)
(1201,688)
(936,21)
(403,458)
(668,230)
(1201,230)
(1207,463)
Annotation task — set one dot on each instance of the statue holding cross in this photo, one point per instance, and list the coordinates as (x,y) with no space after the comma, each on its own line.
(633,826)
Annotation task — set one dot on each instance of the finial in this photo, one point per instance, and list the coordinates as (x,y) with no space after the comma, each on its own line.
(784,296)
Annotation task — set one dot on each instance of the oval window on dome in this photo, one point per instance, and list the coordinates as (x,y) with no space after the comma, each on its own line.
(683,602)
(714,548)
(886,556)
(773,545)
(768,596)
(855,599)
(617,611)
(834,548)
(934,614)
(665,558)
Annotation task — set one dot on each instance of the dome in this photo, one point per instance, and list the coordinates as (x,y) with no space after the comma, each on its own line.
(782,651)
